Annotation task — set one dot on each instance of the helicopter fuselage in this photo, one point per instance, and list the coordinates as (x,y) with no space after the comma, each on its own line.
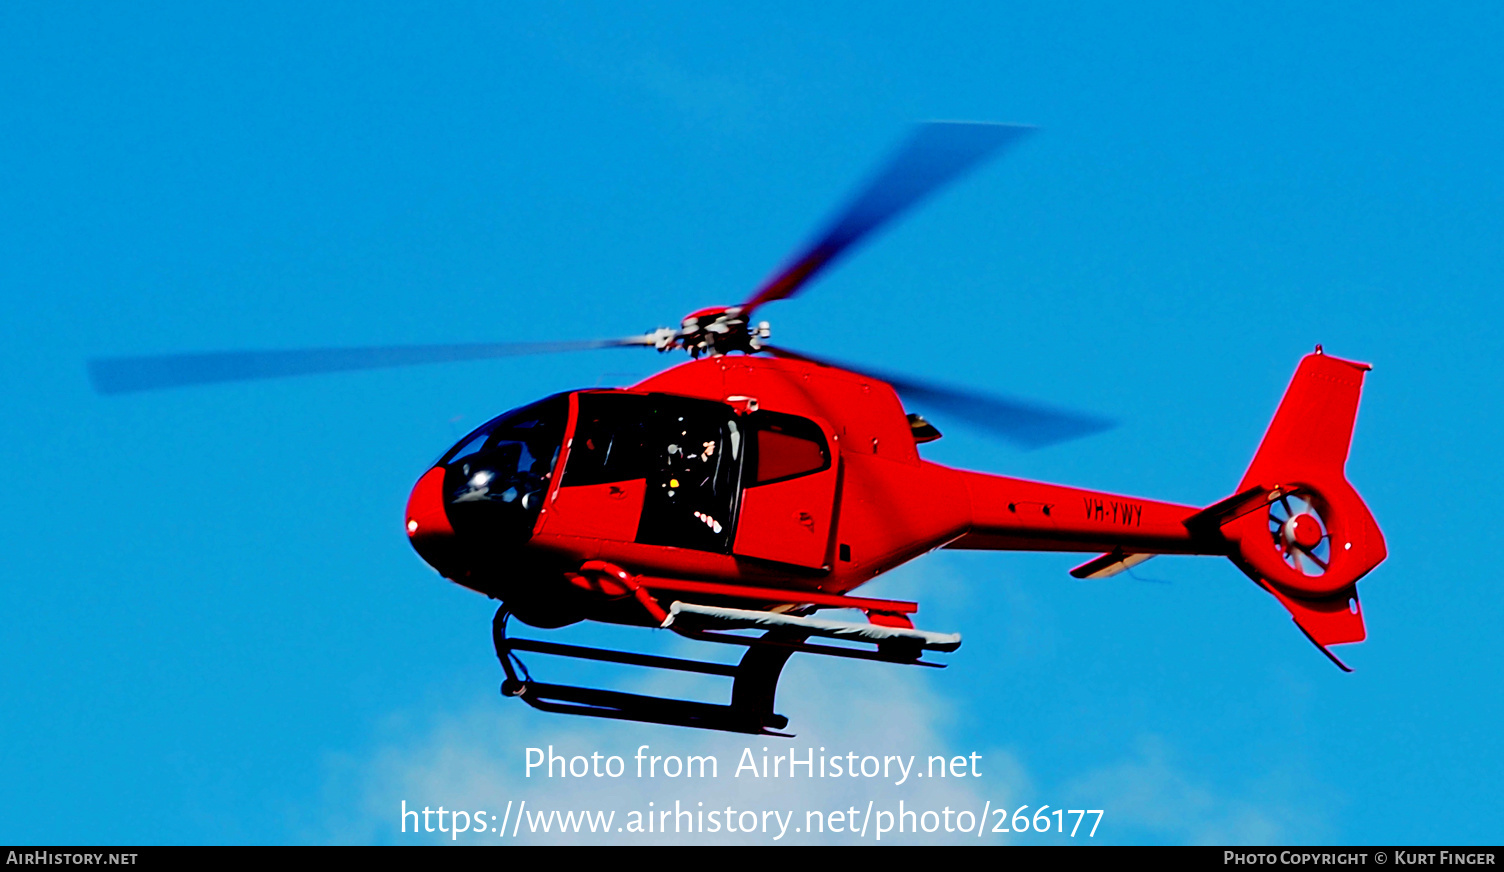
(736,471)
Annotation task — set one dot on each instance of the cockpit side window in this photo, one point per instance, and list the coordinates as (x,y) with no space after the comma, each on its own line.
(611,440)
(786,447)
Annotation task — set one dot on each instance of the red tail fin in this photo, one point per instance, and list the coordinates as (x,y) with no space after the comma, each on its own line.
(1299,528)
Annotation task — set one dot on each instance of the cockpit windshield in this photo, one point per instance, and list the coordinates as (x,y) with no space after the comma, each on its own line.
(498,475)
(540,424)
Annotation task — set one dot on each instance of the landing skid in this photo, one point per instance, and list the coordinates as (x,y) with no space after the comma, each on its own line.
(754,683)
(754,677)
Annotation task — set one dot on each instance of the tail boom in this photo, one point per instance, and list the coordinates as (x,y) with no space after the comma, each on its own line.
(1296,526)
(1011,514)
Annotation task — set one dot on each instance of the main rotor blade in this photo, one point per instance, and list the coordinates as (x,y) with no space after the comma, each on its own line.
(1024,423)
(119,375)
(937,153)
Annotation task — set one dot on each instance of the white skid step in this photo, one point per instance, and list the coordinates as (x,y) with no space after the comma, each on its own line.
(747,618)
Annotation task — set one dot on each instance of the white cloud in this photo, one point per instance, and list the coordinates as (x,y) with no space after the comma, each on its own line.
(475,761)
(1149,795)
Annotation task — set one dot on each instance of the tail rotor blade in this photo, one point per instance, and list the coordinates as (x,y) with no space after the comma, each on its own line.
(936,154)
(1023,423)
(119,375)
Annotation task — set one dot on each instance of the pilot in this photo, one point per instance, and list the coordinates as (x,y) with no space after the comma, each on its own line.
(691,486)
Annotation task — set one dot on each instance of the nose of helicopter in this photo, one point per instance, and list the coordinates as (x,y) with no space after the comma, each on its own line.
(428,527)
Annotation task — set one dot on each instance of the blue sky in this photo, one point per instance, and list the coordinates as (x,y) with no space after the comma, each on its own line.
(216,631)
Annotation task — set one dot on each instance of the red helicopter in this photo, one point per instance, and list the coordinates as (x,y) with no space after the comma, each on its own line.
(753,486)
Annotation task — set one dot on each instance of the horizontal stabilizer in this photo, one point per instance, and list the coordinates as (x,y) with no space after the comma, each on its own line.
(1109,564)
(1217,514)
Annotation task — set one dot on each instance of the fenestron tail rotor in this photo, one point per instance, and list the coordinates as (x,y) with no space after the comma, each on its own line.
(1300,533)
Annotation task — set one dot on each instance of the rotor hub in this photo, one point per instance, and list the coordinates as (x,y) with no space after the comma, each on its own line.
(717,331)
(1305,531)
